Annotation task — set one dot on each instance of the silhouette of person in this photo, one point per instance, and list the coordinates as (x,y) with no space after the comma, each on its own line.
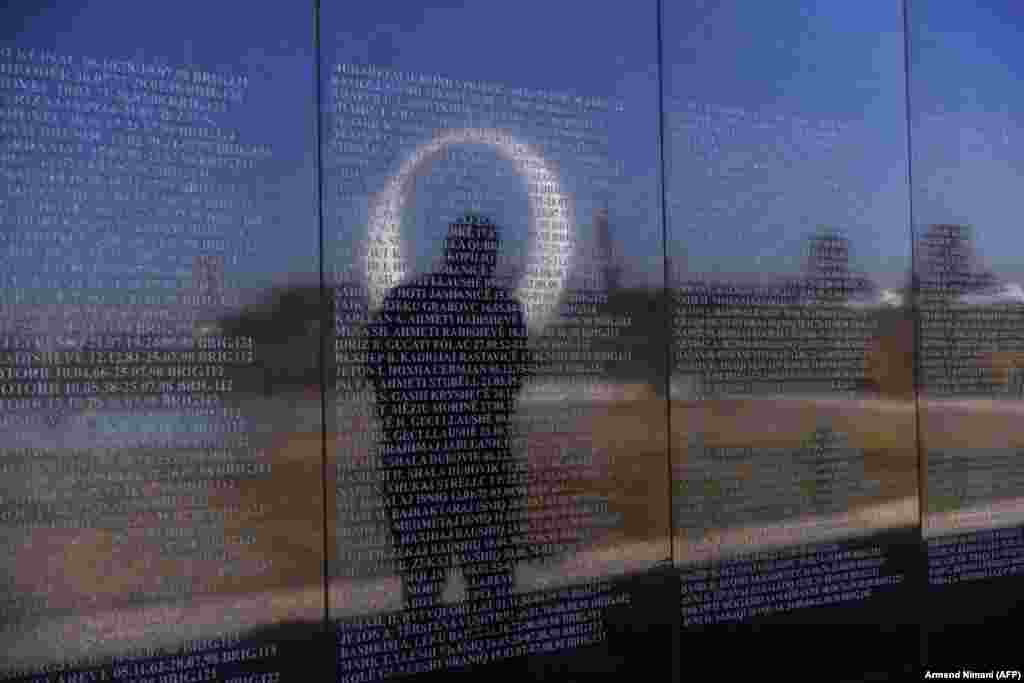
(451,358)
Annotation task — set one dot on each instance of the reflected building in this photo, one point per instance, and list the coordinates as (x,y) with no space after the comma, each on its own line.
(723,487)
(607,253)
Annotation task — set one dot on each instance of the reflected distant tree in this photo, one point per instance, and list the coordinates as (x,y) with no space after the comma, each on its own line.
(446,385)
(285,327)
(827,271)
(948,264)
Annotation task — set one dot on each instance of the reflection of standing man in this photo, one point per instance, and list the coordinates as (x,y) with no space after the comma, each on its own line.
(451,360)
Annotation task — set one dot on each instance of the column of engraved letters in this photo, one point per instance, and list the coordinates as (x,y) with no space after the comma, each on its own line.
(969,347)
(958,337)
(447,135)
(563,520)
(755,339)
(716,489)
(363,544)
(796,335)
(122,217)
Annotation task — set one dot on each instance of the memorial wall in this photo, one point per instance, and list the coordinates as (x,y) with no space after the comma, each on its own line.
(966,146)
(154,180)
(794,469)
(379,342)
(474,211)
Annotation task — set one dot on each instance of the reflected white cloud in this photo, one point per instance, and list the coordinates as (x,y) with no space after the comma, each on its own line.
(1009,292)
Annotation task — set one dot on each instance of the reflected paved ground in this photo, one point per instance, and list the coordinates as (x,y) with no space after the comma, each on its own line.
(986,428)
(104,633)
(1008,512)
(625,444)
(881,432)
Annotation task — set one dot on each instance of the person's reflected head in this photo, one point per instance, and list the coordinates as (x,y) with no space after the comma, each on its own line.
(471,247)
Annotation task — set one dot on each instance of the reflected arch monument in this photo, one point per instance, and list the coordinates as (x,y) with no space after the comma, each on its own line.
(551,221)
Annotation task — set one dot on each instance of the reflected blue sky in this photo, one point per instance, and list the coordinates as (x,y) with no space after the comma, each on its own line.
(968,110)
(273,47)
(825,63)
(806,67)
(562,47)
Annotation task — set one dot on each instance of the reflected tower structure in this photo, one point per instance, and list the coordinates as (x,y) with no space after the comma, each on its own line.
(206,294)
(208,275)
(949,266)
(948,272)
(606,251)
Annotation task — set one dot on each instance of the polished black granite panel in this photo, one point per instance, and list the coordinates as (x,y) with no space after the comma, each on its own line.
(157,178)
(793,452)
(965,143)
(555,340)
(491,224)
